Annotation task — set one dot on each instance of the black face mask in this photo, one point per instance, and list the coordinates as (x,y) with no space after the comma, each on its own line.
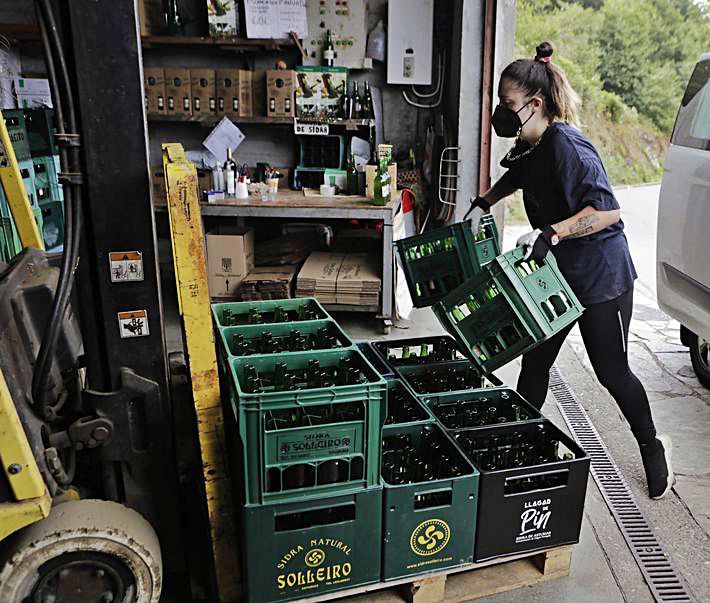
(506,122)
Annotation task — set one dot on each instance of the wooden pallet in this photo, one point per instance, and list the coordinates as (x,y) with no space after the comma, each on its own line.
(464,583)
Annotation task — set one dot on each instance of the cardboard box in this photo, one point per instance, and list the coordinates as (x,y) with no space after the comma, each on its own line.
(157,178)
(152,17)
(204,181)
(230,257)
(203,91)
(319,91)
(258,84)
(177,92)
(34,101)
(280,90)
(246,94)
(227,92)
(32,86)
(319,275)
(370,171)
(154,90)
(225,21)
(359,280)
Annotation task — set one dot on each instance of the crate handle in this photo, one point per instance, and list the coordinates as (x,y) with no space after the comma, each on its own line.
(300,402)
(428,499)
(563,474)
(314,517)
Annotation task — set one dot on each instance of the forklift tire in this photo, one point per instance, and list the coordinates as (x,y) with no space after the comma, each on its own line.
(700,357)
(85,550)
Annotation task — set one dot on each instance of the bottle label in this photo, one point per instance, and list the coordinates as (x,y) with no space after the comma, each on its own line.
(329,55)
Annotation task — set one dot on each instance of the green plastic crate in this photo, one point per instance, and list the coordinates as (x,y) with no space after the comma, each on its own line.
(482,408)
(508,309)
(411,374)
(10,240)
(437,261)
(52,224)
(46,180)
(403,407)
(41,131)
(240,311)
(309,548)
(430,523)
(281,333)
(15,124)
(290,439)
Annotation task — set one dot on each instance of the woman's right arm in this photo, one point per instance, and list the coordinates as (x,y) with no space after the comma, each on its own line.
(501,189)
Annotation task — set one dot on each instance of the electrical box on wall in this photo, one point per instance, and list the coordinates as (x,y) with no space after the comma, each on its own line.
(410,33)
(347,22)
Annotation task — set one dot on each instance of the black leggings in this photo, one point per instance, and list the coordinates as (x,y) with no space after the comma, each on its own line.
(605,332)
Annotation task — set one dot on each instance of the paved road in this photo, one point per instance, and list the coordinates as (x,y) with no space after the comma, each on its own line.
(603,569)
(680,406)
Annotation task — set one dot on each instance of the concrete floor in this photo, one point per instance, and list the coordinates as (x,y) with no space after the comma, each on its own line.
(603,568)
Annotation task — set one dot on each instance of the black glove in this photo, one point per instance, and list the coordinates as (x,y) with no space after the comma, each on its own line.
(479,202)
(538,243)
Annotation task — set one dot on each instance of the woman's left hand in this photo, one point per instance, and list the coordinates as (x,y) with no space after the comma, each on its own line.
(538,243)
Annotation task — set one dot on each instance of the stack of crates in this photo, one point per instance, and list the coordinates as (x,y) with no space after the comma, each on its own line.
(10,244)
(507,309)
(305,419)
(430,492)
(438,261)
(533,477)
(45,159)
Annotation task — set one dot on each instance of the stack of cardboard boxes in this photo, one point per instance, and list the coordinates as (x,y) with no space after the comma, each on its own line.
(340,278)
(209,92)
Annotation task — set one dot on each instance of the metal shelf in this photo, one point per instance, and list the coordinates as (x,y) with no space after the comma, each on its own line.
(212,120)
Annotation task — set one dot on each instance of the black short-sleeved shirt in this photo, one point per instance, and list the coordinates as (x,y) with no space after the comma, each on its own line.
(559,178)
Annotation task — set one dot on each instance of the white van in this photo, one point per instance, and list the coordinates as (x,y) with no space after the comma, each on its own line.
(683,254)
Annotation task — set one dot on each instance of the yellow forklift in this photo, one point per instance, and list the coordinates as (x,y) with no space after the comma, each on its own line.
(113,483)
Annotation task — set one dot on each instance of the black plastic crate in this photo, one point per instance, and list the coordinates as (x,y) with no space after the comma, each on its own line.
(414,351)
(309,548)
(403,407)
(478,409)
(369,351)
(525,505)
(427,380)
(430,501)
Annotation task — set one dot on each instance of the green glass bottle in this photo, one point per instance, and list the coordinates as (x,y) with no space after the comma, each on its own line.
(352,177)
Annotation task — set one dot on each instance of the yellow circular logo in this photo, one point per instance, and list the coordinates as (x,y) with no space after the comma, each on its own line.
(430,537)
(314,557)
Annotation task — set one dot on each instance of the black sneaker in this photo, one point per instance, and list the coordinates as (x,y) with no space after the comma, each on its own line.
(657,463)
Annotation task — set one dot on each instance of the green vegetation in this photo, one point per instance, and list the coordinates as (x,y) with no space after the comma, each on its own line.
(629,60)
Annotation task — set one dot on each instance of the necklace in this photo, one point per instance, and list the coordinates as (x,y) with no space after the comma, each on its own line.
(510,157)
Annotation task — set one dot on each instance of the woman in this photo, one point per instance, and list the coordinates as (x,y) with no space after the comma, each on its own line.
(572,208)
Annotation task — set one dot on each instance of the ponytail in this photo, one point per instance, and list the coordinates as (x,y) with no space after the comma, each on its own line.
(540,76)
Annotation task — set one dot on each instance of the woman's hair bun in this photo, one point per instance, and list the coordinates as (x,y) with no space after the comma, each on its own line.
(544,50)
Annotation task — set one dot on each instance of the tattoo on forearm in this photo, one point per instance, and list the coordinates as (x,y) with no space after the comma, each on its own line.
(581,233)
(582,226)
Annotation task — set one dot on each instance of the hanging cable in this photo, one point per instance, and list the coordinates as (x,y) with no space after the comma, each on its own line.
(441,65)
(439,91)
(66,124)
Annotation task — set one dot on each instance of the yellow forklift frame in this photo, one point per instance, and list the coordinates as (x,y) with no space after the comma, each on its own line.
(15,192)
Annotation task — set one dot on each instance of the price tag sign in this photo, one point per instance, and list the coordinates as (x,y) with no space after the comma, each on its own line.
(310,129)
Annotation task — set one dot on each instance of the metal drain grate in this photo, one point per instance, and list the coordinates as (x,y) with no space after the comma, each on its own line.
(665,582)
